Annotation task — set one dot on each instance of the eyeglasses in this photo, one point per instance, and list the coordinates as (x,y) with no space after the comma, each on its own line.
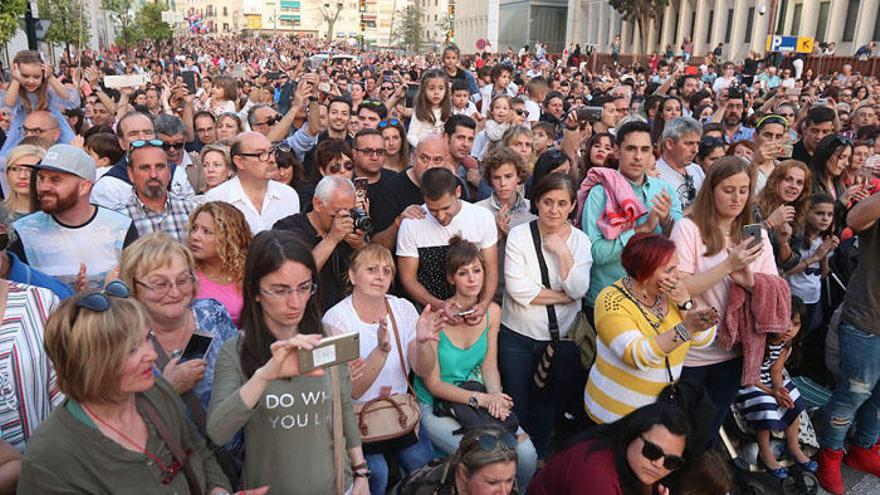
(652,452)
(99,300)
(387,88)
(263,156)
(21,168)
(307,289)
(282,146)
(521,112)
(488,443)
(337,167)
(35,130)
(389,122)
(173,146)
(145,143)
(270,121)
(371,151)
(164,287)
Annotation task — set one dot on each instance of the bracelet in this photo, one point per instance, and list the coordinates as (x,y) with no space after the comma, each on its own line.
(682,333)
(360,467)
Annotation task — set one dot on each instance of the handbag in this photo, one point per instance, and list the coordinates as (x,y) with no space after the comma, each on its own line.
(389,423)
(473,417)
(581,332)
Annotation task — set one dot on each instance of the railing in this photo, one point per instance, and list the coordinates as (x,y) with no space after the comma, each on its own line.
(819,64)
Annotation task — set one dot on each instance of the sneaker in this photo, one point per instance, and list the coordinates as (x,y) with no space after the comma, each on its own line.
(829,470)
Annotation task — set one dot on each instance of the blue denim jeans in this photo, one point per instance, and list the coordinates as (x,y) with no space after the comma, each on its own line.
(857,395)
(539,411)
(440,430)
(410,458)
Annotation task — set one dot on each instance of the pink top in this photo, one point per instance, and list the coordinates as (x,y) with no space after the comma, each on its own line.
(226,294)
(690,249)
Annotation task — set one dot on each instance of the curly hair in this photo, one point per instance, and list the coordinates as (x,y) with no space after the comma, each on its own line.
(232,233)
(768,199)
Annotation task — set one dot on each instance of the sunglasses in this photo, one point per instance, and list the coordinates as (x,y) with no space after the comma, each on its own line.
(99,301)
(271,121)
(145,143)
(389,122)
(489,443)
(372,103)
(337,167)
(521,112)
(172,146)
(652,452)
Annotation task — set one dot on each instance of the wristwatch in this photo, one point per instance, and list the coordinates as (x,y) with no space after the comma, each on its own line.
(687,305)
(473,402)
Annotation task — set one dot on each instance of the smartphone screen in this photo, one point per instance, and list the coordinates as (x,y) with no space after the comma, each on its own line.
(411,91)
(197,347)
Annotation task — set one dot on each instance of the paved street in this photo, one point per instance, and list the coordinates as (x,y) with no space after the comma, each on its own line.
(858,483)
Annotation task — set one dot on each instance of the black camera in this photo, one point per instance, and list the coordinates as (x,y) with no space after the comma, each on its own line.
(362,220)
(735,92)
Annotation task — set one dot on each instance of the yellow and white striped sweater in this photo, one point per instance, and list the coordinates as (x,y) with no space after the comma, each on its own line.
(630,368)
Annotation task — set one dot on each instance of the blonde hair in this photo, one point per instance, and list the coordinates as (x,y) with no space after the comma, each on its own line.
(372,253)
(17,153)
(149,253)
(89,348)
(232,234)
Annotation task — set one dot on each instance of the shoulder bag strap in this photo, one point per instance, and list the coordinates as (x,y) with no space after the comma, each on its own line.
(645,316)
(192,402)
(545,280)
(172,442)
(338,443)
(399,348)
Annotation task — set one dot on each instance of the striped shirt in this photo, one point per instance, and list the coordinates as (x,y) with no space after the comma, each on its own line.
(630,368)
(28,389)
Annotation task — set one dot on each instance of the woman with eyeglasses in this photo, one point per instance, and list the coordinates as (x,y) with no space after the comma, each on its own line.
(483,464)
(19,168)
(216,165)
(162,275)
(288,418)
(119,429)
(396,145)
(634,455)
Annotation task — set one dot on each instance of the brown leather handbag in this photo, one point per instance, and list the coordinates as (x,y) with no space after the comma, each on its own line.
(389,423)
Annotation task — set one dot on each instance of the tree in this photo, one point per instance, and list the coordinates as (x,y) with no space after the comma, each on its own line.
(10,11)
(150,23)
(641,12)
(331,17)
(409,27)
(122,13)
(447,27)
(67,23)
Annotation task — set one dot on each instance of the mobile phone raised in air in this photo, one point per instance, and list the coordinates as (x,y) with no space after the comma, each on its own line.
(189,78)
(331,351)
(589,114)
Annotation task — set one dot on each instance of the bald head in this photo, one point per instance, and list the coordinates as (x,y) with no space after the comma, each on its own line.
(247,150)
(431,152)
(42,124)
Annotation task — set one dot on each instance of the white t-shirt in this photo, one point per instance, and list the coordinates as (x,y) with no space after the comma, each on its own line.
(678,182)
(808,284)
(342,318)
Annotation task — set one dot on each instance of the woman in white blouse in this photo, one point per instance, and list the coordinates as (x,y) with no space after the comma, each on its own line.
(525,331)
(376,316)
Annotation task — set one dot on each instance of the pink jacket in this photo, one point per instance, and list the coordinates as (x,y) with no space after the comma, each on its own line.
(751,316)
(622,207)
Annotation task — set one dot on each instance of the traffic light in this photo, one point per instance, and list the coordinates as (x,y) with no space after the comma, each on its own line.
(451,10)
(362,5)
(363,26)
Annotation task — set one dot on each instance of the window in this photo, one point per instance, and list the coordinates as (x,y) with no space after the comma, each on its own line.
(780,21)
(225,27)
(796,19)
(225,12)
(822,25)
(709,29)
(852,14)
(675,31)
(876,36)
(729,25)
(693,25)
(750,24)
(659,25)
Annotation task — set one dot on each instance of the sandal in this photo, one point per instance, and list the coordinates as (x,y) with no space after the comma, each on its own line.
(779,473)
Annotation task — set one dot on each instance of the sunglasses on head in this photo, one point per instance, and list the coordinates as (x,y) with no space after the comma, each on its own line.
(389,122)
(652,452)
(99,300)
(489,443)
(145,143)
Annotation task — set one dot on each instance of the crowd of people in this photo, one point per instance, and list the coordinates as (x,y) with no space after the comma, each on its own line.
(549,267)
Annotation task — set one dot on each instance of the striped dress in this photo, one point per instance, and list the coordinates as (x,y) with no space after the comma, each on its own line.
(28,389)
(759,408)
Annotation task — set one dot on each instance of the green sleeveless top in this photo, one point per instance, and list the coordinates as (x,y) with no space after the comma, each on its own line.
(457,365)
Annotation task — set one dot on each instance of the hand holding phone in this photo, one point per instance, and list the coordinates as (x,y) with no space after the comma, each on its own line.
(753,232)
(329,351)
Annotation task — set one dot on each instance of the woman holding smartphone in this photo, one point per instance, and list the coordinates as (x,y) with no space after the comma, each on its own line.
(294,424)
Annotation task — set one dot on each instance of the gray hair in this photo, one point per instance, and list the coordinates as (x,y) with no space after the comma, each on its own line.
(252,113)
(330,184)
(676,128)
(168,125)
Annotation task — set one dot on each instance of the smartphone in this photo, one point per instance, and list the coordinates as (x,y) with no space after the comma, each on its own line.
(411,91)
(752,230)
(787,150)
(197,347)
(331,351)
(324,87)
(189,78)
(589,114)
(360,187)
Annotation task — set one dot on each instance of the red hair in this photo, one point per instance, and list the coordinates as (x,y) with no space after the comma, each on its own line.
(644,254)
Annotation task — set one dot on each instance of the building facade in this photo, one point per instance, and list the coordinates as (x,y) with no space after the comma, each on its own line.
(526,22)
(474,20)
(213,16)
(742,25)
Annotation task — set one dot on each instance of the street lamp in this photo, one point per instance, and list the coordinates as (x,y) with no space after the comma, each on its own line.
(362,7)
(331,19)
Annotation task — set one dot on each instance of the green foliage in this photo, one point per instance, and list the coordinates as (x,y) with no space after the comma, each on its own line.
(122,12)
(408,27)
(149,21)
(641,12)
(10,11)
(68,23)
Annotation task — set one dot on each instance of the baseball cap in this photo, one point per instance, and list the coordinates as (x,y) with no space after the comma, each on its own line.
(68,159)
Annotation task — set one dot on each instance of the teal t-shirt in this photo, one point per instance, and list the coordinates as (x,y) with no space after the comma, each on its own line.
(457,365)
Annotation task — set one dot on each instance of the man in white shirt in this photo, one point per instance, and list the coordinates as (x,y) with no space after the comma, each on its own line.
(262,200)
(680,142)
(423,243)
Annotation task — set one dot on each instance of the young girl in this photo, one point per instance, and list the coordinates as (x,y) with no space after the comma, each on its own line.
(814,246)
(223,95)
(433,106)
(499,121)
(774,404)
(34,87)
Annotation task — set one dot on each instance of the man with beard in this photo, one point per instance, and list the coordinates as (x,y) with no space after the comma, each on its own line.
(69,238)
(732,110)
(151,207)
